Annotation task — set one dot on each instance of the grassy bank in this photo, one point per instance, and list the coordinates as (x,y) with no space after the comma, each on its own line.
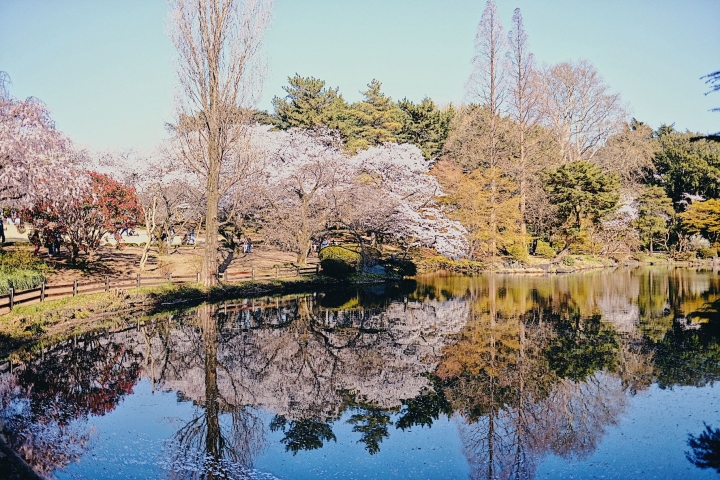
(29,324)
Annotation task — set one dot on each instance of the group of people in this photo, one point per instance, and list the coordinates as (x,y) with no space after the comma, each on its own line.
(247,245)
(317,246)
(12,219)
(50,237)
(189,238)
(127,230)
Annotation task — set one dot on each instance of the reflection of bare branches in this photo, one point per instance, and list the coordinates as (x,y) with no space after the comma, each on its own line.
(571,422)
(45,445)
(206,447)
(209,447)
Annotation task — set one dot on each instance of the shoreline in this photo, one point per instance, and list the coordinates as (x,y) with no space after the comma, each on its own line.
(31,324)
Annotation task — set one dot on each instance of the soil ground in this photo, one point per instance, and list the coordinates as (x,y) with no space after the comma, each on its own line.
(123,263)
(182,260)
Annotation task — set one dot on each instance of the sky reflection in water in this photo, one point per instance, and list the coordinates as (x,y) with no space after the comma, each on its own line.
(600,374)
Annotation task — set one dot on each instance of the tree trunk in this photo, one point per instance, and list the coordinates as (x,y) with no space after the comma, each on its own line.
(149,227)
(302,255)
(210,254)
(209,271)
(523,186)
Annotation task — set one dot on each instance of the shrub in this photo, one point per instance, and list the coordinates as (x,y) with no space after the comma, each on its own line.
(340,253)
(685,256)
(20,260)
(568,260)
(544,250)
(708,252)
(642,257)
(332,267)
(20,280)
(517,252)
(403,267)
(338,261)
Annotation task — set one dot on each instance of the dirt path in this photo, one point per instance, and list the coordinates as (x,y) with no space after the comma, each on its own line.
(181,261)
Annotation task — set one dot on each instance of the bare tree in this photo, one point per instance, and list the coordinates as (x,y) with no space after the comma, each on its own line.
(577,106)
(629,153)
(487,84)
(523,103)
(217,42)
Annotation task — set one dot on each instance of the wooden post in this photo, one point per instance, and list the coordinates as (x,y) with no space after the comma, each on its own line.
(11,295)
(107,283)
(297,271)
(138,280)
(42,291)
(317,269)
(75,289)
(252,274)
(198,277)
(170,277)
(277,272)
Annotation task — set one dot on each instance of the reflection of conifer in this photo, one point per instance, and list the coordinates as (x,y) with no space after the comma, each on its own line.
(582,347)
(305,434)
(705,449)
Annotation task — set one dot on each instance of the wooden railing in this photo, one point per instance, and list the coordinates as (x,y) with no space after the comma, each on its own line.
(46,291)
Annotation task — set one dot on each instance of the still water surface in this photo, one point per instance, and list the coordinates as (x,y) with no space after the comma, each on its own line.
(596,375)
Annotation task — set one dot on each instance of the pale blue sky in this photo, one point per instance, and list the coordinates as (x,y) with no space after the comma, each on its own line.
(104,67)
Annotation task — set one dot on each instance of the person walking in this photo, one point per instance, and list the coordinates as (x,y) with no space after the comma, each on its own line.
(2,232)
(35,240)
(56,242)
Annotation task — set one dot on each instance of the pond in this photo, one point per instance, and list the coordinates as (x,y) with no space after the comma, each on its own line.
(601,374)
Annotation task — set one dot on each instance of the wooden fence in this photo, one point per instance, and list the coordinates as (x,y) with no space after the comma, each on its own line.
(45,291)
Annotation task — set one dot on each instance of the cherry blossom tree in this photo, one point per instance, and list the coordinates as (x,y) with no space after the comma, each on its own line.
(102,207)
(389,192)
(309,184)
(36,160)
(303,167)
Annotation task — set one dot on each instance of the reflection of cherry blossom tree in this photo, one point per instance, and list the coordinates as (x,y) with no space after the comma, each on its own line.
(46,412)
(207,446)
(46,445)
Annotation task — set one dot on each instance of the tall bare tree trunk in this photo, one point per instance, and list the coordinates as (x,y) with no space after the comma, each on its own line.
(217,42)
(523,104)
(487,84)
(210,263)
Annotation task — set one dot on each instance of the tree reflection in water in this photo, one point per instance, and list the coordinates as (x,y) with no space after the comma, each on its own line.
(46,412)
(705,449)
(527,366)
(207,447)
